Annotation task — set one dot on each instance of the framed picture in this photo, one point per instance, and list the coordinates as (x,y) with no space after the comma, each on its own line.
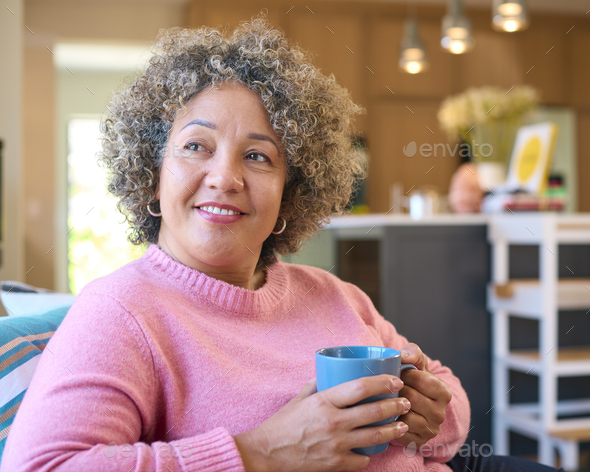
(531,157)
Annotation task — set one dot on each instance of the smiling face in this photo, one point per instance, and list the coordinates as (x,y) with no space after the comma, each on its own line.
(224,154)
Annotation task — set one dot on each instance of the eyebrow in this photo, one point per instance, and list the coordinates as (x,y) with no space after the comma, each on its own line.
(200,122)
(264,137)
(208,124)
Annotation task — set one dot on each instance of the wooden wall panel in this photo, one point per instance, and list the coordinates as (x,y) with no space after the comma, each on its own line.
(544,47)
(229,16)
(583,160)
(337,42)
(392,126)
(39,164)
(580,67)
(495,60)
(385,39)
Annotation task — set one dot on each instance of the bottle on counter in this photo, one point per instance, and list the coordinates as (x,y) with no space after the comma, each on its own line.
(555,195)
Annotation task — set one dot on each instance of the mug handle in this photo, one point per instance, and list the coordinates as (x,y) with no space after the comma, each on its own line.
(402,368)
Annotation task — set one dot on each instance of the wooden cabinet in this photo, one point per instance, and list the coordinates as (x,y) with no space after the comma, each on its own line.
(337,43)
(579,74)
(394,125)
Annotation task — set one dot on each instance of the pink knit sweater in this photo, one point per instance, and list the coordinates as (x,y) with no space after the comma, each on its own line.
(157,366)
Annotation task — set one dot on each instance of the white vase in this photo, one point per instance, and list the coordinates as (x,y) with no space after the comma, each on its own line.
(490,175)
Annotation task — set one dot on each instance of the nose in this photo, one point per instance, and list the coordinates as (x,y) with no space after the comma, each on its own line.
(225,171)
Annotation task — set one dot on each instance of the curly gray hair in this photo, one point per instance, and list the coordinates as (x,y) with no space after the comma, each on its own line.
(310,113)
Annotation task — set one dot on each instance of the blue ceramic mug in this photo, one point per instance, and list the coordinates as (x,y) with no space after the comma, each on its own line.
(340,364)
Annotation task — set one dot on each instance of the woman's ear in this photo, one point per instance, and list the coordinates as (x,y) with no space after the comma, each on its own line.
(157,195)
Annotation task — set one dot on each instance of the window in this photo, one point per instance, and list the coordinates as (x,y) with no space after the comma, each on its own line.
(97,232)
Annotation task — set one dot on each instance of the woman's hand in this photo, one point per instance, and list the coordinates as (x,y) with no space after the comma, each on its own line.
(428,395)
(316,431)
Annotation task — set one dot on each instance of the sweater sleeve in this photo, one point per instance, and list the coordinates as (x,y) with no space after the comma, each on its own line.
(453,431)
(94,395)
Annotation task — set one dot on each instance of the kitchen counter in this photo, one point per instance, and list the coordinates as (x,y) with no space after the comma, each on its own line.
(371,226)
(382,219)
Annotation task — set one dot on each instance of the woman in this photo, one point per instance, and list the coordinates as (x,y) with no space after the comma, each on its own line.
(199,355)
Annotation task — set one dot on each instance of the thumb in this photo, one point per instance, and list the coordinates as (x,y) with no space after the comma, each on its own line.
(412,354)
(308,389)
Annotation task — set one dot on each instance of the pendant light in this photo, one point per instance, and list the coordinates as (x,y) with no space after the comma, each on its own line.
(456,29)
(413,53)
(509,15)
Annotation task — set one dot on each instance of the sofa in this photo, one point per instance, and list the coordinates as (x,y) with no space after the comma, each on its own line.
(22,340)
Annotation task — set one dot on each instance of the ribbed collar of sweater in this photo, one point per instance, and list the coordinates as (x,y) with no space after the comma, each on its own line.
(223,295)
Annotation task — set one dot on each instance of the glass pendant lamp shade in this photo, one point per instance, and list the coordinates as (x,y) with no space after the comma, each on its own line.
(509,15)
(456,30)
(413,53)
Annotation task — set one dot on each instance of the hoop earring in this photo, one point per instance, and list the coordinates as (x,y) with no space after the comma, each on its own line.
(282,229)
(151,212)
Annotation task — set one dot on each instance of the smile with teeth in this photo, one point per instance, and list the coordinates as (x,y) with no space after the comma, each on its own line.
(219,211)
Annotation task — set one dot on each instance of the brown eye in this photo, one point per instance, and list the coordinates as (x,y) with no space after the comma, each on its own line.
(195,147)
(256,156)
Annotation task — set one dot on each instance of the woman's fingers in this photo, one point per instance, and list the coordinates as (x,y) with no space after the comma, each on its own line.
(427,384)
(309,388)
(366,437)
(350,393)
(368,413)
(421,404)
(423,419)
